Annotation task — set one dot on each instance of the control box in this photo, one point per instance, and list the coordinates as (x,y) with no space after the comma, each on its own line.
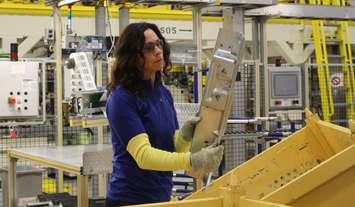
(19,94)
(285,87)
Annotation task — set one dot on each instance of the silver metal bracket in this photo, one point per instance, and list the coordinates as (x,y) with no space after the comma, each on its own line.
(218,97)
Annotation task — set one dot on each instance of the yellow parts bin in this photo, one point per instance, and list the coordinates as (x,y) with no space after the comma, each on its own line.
(314,167)
(49,186)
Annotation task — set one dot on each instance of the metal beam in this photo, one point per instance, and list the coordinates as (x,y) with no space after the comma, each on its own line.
(249,3)
(197,40)
(100,20)
(305,12)
(123,18)
(245,3)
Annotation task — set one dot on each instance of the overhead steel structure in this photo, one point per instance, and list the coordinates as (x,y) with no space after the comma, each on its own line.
(302,11)
(244,3)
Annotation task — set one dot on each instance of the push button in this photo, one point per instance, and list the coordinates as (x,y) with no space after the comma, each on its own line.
(11,100)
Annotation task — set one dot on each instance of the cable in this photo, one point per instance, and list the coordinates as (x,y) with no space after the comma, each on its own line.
(110,29)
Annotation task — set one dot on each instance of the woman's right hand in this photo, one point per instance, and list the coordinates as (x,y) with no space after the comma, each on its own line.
(206,160)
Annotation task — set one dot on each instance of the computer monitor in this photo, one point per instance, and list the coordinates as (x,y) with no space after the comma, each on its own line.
(285,87)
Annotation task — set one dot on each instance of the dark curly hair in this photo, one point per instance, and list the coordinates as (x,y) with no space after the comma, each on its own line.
(126,70)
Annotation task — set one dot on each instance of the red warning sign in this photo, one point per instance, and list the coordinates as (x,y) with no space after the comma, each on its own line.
(337,79)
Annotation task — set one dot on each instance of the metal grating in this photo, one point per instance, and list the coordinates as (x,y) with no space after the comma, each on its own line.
(185,111)
(338,90)
(238,148)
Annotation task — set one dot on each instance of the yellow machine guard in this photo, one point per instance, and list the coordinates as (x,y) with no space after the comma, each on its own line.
(314,167)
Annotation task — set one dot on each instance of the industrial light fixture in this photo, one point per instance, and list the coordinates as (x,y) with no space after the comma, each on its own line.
(67,2)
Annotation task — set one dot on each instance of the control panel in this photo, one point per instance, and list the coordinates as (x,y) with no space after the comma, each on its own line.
(285,87)
(19,89)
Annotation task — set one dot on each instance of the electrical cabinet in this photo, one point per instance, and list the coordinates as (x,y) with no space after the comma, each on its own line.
(19,89)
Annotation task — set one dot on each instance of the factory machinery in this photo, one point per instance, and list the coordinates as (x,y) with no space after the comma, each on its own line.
(313,167)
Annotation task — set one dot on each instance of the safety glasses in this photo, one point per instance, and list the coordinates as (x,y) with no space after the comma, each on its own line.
(150,46)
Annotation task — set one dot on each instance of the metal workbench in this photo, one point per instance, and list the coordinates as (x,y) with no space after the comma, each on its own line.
(82,160)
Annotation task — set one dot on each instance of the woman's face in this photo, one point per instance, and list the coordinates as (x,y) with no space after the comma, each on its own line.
(153,54)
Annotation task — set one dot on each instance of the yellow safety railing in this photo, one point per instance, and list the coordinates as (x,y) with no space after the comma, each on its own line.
(347,67)
(319,40)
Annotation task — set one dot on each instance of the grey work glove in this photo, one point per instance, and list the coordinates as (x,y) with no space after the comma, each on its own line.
(188,128)
(201,141)
(206,160)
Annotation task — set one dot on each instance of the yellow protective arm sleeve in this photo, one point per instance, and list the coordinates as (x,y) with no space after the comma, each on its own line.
(180,144)
(150,158)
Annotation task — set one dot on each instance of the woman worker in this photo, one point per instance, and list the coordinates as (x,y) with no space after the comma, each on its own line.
(147,143)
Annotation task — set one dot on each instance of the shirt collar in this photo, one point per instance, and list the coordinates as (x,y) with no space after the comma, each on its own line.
(149,86)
